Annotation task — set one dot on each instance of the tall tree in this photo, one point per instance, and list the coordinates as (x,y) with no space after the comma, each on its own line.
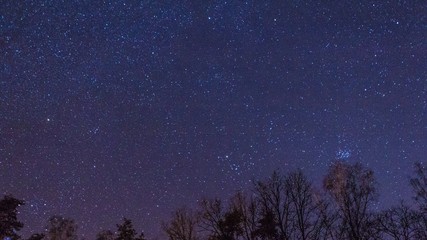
(274,199)
(329,216)
(353,188)
(266,228)
(419,185)
(61,228)
(182,226)
(9,224)
(305,205)
(126,231)
(250,211)
(211,213)
(219,223)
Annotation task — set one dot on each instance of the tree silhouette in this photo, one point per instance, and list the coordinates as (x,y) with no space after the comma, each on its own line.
(220,224)
(250,211)
(125,231)
(105,235)
(60,228)
(9,224)
(329,216)
(290,208)
(353,188)
(399,223)
(282,207)
(182,226)
(304,207)
(419,185)
(230,225)
(421,225)
(274,198)
(266,229)
(211,213)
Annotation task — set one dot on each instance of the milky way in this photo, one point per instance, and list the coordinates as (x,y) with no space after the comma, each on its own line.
(134,108)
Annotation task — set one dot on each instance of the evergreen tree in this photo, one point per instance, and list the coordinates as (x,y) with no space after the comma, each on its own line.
(267,226)
(9,224)
(125,231)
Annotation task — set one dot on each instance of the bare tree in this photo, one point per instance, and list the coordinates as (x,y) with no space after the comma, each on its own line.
(353,188)
(419,184)
(211,214)
(329,216)
(182,226)
(305,205)
(275,203)
(220,223)
(399,223)
(249,210)
(421,225)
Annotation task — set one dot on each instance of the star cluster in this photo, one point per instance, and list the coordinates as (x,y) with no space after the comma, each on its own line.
(134,108)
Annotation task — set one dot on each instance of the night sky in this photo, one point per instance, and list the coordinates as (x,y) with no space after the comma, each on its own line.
(135,108)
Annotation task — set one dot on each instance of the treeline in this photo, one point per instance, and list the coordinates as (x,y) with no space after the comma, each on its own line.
(58,227)
(281,207)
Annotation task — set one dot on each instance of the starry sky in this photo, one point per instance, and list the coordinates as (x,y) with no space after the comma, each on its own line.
(135,108)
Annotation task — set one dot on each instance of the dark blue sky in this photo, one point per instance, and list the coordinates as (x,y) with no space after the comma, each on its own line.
(135,108)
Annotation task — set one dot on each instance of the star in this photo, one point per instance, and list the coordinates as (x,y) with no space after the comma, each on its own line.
(164,104)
